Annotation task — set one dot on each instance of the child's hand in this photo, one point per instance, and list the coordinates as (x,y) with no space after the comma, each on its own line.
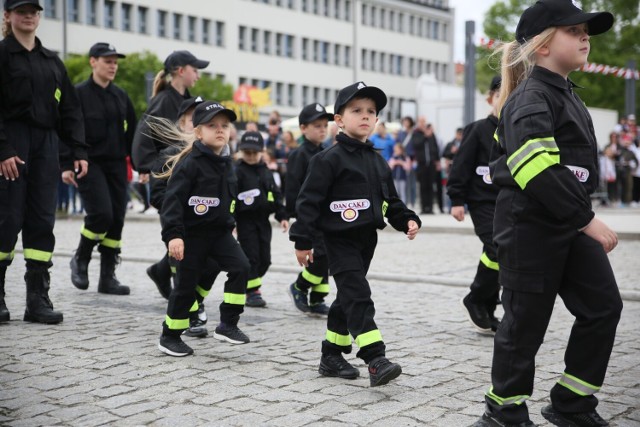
(413,229)
(176,249)
(458,212)
(599,231)
(285,225)
(304,257)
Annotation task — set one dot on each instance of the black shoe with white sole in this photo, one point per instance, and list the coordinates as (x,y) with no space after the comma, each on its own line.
(174,346)
(231,334)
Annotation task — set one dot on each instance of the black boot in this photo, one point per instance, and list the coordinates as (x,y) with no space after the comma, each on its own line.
(109,283)
(4,312)
(39,308)
(80,263)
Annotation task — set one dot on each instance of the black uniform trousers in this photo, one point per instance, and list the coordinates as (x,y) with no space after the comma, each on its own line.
(426,178)
(485,286)
(316,275)
(28,204)
(104,193)
(352,311)
(254,235)
(219,245)
(539,261)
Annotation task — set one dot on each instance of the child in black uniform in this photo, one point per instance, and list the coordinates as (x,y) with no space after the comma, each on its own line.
(347,194)
(197,220)
(258,197)
(469,182)
(313,120)
(549,241)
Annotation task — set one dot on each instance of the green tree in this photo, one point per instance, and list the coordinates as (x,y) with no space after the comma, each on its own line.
(131,78)
(615,47)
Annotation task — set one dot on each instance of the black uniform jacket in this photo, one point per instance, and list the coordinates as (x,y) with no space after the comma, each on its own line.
(35,89)
(109,120)
(258,194)
(297,165)
(469,178)
(549,149)
(200,195)
(348,186)
(145,146)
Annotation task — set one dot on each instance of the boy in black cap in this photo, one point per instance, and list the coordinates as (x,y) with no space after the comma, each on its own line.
(258,197)
(347,194)
(197,221)
(110,123)
(313,121)
(549,241)
(470,183)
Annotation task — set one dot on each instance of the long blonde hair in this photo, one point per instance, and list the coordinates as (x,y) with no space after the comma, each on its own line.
(168,132)
(6,26)
(162,80)
(517,62)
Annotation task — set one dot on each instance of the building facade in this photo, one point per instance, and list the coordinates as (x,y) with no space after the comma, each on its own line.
(304,50)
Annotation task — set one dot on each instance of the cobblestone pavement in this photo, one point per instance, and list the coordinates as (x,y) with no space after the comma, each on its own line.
(101,365)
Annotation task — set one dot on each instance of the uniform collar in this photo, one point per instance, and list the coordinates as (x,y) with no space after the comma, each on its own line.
(554,79)
(260,164)
(351,144)
(97,86)
(14,46)
(310,145)
(493,119)
(199,149)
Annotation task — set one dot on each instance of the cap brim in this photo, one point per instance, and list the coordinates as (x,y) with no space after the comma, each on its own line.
(200,64)
(318,116)
(374,93)
(37,6)
(119,55)
(249,146)
(229,113)
(597,22)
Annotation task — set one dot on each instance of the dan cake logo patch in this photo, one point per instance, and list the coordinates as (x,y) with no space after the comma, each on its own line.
(484,172)
(349,208)
(249,196)
(201,205)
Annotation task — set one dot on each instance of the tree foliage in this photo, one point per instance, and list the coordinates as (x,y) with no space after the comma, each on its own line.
(132,75)
(615,47)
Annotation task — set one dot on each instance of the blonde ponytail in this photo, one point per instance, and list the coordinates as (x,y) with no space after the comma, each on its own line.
(166,131)
(6,27)
(517,61)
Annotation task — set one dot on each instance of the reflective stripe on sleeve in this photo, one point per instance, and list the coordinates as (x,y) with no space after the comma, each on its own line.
(532,158)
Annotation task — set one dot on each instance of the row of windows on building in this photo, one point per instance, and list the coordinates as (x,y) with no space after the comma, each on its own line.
(339,9)
(390,63)
(286,94)
(392,20)
(126,17)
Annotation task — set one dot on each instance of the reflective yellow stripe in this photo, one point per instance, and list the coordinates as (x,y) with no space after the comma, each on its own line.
(270,197)
(176,323)
(321,288)
(237,299)
(201,291)
(194,307)
(385,205)
(534,167)
(576,385)
(254,283)
(311,278)
(368,338)
(6,255)
(173,269)
(514,400)
(493,265)
(37,255)
(91,235)
(57,95)
(110,243)
(529,149)
(495,136)
(126,125)
(232,208)
(337,339)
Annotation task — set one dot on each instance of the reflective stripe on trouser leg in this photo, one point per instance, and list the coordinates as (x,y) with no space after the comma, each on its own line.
(7,256)
(110,243)
(176,324)
(513,400)
(252,284)
(92,235)
(310,277)
(202,292)
(368,338)
(36,255)
(338,339)
(484,259)
(578,386)
(194,307)
(236,299)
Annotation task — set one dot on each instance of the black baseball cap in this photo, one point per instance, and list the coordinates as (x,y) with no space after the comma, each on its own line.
(251,141)
(205,111)
(180,58)
(189,103)
(361,90)
(313,112)
(554,13)
(104,49)
(496,82)
(12,4)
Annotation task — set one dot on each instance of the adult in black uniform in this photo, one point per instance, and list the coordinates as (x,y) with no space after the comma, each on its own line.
(41,132)
(347,194)
(312,284)
(170,87)
(110,123)
(470,183)
(425,148)
(549,241)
